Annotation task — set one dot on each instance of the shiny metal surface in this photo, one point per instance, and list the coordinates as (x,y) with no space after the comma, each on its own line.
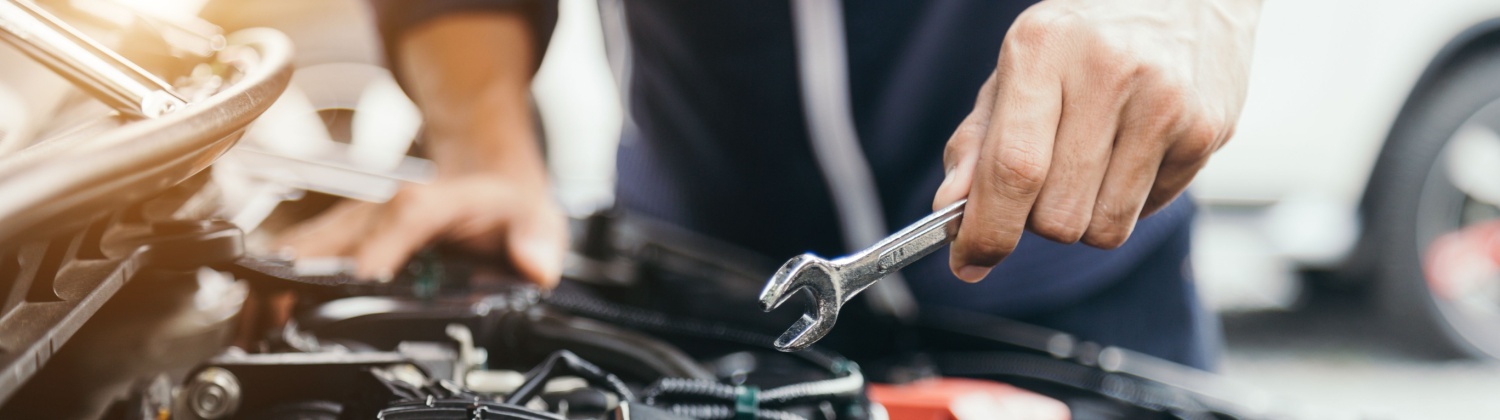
(833,282)
(55,186)
(51,191)
(97,70)
(213,394)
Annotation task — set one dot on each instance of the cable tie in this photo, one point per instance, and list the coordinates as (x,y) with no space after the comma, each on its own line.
(746,402)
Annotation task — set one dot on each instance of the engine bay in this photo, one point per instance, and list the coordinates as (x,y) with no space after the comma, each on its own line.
(135,284)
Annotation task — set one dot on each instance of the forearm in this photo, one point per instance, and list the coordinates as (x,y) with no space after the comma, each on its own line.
(471,75)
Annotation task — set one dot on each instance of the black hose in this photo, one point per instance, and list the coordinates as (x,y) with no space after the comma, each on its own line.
(847,386)
(719,412)
(564,361)
(708,398)
(682,387)
(651,321)
(634,355)
(851,384)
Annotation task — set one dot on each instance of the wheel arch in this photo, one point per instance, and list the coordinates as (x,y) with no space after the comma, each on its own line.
(1478,37)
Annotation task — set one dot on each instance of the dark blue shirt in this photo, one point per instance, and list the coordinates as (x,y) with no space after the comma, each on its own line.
(720,146)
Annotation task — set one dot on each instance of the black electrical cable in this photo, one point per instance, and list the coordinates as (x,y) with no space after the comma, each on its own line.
(565,361)
(718,412)
(681,387)
(849,385)
(660,323)
(721,399)
(632,354)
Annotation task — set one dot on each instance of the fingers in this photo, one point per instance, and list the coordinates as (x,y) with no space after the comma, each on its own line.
(483,216)
(1012,165)
(324,236)
(962,152)
(1097,115)
(537,247)
(403,225)
(1133,167)
(1189,154)
(1085,137)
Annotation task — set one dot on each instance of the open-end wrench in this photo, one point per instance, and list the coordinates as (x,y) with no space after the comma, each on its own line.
(833,282)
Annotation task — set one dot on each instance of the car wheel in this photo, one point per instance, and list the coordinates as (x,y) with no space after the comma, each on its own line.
(1432,215)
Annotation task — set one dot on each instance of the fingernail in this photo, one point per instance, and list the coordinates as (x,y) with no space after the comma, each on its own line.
(972,273)
(385,277)
(548,259)
(376,277)
(323,266)
(947,178)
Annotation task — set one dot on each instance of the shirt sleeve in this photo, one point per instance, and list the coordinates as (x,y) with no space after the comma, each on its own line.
(393,18)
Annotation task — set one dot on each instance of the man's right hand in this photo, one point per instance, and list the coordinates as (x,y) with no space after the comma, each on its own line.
(487,214)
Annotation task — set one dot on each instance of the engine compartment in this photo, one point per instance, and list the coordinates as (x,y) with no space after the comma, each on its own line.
(128,291)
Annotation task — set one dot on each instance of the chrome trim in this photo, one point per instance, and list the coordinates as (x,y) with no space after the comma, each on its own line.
(92,67)
(53,187)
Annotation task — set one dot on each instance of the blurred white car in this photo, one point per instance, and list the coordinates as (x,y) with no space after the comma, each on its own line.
(1369,135)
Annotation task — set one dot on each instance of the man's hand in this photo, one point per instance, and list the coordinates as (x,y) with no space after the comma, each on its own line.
(471,74)
(1099,112)
(484,214)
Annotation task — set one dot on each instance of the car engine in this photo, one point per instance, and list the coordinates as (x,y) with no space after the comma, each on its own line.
(136,283)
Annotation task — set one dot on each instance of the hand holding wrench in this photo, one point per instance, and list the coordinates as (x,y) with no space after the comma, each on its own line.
(833,282)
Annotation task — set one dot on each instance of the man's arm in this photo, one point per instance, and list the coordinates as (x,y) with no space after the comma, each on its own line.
(1099,112)
(471,75)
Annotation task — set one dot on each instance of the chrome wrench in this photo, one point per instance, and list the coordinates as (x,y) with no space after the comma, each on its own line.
(833,282)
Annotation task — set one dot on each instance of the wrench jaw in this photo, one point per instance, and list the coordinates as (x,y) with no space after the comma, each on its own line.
(816,275)
(787,281)
(807,330)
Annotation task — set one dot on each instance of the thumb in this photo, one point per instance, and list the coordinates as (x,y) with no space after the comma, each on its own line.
(537,246)
(962,152)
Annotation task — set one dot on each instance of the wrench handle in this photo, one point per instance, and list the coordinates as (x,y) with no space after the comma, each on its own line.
(920,239)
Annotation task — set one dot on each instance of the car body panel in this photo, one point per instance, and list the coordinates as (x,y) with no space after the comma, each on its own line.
(1329,79)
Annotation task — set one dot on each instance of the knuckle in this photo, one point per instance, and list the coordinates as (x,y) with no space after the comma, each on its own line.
(1023,169)
(1060,226)
(968,134)
(1159,199)
(1206,130)
(973,127)
(1113,215)
(1106,239)
(1199,140)
(986,248)
(1035,25)
(1170,102)
(1164,113)
(1036,29)
(1117,75)
(1152,72)
(951,153)
(1110,227)
(1114,67)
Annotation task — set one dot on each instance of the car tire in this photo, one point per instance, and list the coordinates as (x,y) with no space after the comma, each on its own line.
(1410,202)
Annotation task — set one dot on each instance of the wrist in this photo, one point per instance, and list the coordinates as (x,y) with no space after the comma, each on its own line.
(495,135)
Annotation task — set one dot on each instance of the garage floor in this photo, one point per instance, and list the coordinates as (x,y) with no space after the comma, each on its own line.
(1332,360)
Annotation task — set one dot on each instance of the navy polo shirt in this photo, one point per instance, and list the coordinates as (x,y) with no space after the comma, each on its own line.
(719,143)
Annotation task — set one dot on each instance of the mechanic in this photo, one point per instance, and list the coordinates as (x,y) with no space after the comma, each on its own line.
(821,126)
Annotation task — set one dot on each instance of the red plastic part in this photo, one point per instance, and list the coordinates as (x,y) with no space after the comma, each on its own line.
(965,399)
